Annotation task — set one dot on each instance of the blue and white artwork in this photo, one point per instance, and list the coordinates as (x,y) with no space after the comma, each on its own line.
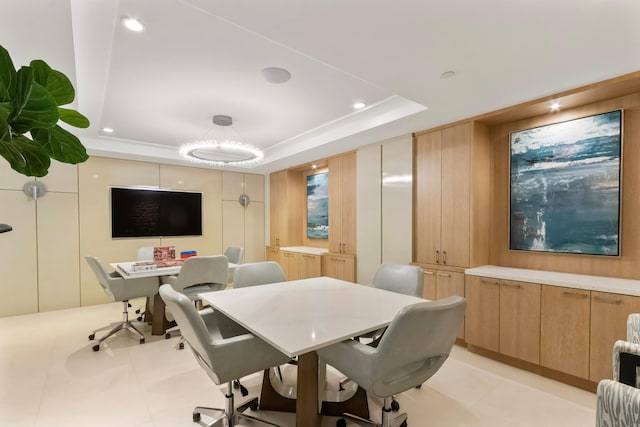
(565,186)
(318,206)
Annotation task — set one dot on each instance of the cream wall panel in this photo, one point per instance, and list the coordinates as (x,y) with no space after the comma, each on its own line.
(96,176)
(233,217)
(254,187)
(209,183)
(254,223)
(18,257)
(397,200)
(58,251)
(62,177)
(368,213)
(10,179)
(232,185)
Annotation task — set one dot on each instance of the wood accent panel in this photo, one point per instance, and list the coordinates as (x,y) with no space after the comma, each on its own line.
(520,320)
(480,212)
(429,290)
(608,324)
(564,330)
(287,198)
(342,204)
(624,266)
(427,197)
(482,320)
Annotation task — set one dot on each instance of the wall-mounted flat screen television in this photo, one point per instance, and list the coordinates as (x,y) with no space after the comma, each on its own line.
(142,212)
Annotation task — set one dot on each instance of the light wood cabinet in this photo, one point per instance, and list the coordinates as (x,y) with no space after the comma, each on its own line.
(520,320)
(450,283)
(309,266)
(609,314)
(289,263)
(482,320)
(273,254)
(339,266)
(296,265)
(451,207)
(342,204)
(429,290)
(287,199)
(564,330)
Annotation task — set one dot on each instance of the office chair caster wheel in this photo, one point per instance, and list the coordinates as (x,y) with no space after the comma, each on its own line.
(419,386)
(141,340)
(196,417)
(167,336)
(254,404)
(236,384)
(96,347)
(181,346)
(395,406)
(91,337)
(138,311)
(404,424)
(139,318)
(341,423)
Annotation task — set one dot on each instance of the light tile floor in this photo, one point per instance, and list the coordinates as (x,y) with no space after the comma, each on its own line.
(49,376)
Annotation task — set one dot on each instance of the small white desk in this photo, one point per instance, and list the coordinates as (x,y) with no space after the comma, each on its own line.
(300,316)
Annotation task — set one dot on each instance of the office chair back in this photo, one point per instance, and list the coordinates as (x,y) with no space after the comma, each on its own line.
(200,270)
(400,278)
(234,254)
(258,273)
(617,405)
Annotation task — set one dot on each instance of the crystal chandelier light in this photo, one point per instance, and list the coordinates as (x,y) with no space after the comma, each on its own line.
(221,151)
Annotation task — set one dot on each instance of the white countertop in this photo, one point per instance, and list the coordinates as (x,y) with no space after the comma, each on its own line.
(305,250)
(577,281)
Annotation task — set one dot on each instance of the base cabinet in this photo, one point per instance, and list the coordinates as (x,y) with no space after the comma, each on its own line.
(339,266)
(564,330)
(520,320)
(482,326)
(441,283)
(296,265)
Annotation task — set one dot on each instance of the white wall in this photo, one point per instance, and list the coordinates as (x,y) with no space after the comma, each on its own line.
(384,205)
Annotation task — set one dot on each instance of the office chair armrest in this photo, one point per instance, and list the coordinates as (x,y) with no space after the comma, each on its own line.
(626,359)
(352,358)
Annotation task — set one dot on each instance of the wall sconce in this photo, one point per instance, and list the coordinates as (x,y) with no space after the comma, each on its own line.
(35,189)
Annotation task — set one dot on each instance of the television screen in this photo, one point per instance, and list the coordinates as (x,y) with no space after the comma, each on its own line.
(140,212)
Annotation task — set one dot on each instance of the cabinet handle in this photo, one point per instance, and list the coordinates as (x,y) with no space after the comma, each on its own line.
(511,285)
(608,300)
(430,273)
(575,294)
(444,275)
(489,282)
(437,257)
(444,257)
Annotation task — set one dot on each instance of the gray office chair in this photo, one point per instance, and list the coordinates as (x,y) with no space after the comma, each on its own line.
(224,350)
(123,290)
(258,273)
(412,349)
(198,274)
(618,405)
(145,253)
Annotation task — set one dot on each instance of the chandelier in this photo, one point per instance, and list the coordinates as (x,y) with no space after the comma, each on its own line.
(222,150)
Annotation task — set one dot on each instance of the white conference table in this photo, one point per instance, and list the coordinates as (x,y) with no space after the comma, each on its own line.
(158,320)
(300,316)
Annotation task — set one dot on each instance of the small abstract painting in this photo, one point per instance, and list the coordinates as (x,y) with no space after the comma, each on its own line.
(565,186)
(318,206)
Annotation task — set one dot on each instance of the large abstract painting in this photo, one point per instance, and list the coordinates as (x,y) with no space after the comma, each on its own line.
(565,186)
(318,206)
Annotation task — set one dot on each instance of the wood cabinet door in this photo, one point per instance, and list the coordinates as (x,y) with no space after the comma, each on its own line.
(290,264)
(273,254)
(335,204)
(456,169)
(482,320)
(309,266)
(275,209)
(564,330)
(520,320)
(348,203)
(427,209)
(429,290)
(609,314)
(449,283)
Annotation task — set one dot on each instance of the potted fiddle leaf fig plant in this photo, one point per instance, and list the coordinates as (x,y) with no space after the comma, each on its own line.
(30,109)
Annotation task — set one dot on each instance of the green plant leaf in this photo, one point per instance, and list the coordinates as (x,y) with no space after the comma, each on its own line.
(24,85)
(25,156)
(5,111)
(73,118)
(60,144)
(7,76)
(54,81)
(40,111)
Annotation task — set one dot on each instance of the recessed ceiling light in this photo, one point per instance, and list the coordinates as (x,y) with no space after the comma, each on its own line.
(276,75)
(447,74)
(555,106)
(359,105)
(107,130)
(314,166)
(132,24)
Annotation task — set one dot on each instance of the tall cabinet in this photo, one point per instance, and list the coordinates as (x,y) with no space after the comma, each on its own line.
(287,199)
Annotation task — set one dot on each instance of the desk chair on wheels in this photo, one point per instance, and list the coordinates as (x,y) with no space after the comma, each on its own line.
(224,350)
(123,290)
